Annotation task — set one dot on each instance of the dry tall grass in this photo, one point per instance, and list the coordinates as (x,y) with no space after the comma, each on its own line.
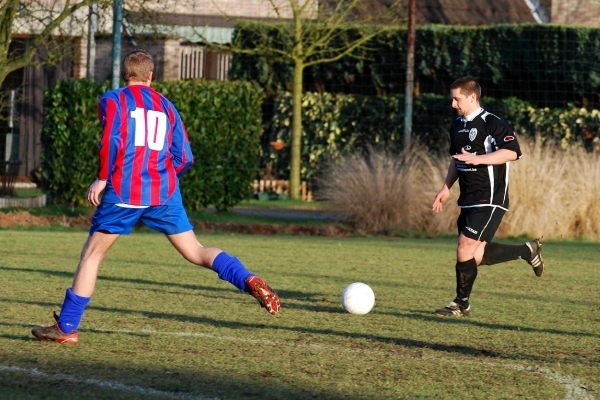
(380,192)
(553,192)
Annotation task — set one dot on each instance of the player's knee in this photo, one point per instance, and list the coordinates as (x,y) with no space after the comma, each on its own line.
(466,252)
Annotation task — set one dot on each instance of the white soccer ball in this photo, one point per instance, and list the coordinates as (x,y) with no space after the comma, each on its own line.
(358,298)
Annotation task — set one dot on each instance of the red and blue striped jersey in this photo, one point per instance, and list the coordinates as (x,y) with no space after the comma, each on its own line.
(144,147)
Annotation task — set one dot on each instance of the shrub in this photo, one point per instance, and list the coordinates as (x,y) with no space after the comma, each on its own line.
(70,140)
(548,65)
(223,121)
(337,124)
(553,192)
(378,191)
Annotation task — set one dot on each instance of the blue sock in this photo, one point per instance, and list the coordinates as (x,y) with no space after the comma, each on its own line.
(232,270)
(72,311)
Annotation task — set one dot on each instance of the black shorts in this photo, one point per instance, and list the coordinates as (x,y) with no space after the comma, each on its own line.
(480,223)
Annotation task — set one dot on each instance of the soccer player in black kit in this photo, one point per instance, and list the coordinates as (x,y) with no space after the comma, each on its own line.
(481,146)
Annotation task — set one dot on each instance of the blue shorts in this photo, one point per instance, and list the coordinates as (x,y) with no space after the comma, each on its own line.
(111,218)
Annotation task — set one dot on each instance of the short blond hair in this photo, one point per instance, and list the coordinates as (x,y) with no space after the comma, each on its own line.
(137,65)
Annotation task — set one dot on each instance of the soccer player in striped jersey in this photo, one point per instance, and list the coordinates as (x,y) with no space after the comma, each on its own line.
(482,147)
(144,149)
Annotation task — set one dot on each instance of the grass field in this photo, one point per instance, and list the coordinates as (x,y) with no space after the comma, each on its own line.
(160,328)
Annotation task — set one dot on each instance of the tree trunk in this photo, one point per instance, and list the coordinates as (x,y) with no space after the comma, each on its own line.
(296,156)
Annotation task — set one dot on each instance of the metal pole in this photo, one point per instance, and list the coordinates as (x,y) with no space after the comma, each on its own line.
(11,152)
(410,73)
(116,54)
(91,49)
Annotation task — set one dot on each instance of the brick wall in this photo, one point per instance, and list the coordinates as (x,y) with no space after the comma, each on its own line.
(166,54)
(103,67)
(171,60)
(80,58)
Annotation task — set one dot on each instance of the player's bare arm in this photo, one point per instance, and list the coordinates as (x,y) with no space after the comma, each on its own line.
(501,156)
(444,192)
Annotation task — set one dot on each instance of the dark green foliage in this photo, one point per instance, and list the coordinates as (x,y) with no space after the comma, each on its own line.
(223,121)
(267,69)
(70,140)
(548,65)
(337,124)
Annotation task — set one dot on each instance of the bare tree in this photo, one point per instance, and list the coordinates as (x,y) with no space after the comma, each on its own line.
(48,24)
(310,32)
(41,21)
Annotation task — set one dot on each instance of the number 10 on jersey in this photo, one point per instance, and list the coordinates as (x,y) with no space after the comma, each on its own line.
(150,126)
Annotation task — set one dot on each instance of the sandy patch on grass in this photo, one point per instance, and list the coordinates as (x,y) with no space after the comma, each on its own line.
(25,219)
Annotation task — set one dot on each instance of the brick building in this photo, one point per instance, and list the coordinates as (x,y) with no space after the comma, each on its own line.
(173,32)
(175,42)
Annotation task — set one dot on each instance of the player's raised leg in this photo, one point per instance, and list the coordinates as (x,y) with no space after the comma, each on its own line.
(531,251)
(228,267)
(77,297)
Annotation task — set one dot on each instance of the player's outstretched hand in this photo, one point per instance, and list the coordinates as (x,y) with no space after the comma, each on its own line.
(94,191)
(442,196)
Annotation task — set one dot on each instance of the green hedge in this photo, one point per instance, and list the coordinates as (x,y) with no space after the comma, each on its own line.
(341,123)
(548,65)
(70,140)
(223,121)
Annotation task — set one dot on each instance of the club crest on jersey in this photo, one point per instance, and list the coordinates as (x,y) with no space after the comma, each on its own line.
(472,134)
(509,138)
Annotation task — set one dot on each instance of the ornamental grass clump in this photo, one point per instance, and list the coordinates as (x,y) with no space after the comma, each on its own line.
(378,191)
(553,192)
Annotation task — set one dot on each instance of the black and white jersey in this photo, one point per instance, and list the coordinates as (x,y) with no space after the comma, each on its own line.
(482,185)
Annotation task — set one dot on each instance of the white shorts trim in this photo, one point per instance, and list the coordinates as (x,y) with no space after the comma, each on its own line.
(129,205)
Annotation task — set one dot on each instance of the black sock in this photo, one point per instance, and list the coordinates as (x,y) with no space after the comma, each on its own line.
(496,253)
(466,272)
